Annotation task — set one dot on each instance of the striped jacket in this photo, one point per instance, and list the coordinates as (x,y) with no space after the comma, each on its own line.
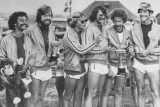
(96,55)
(114,42)
(73,50)
(154,36)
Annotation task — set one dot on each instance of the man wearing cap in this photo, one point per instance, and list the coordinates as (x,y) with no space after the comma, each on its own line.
(146,36)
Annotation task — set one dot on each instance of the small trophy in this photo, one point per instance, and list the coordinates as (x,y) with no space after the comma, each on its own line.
(121,68)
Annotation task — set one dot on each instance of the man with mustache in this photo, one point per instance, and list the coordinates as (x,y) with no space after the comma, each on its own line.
(119,38)
(16,45)
(41,34)
(146,37)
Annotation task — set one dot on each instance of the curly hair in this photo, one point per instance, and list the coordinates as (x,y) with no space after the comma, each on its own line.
(43,10)
(75,17)
(93,15)
(119,13)
(13,19)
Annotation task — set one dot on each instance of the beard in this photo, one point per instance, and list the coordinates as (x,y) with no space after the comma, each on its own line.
(45,23)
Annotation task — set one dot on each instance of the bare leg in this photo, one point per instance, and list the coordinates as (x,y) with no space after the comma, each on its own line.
(140,84)
(154,81)
(99,91)
(43,86)
(77,101)
(93,81)
(70,85)
(60,89)
(34,87)
(106,90)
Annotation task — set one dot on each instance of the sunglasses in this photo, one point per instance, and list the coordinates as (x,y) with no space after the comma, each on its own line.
(84,21)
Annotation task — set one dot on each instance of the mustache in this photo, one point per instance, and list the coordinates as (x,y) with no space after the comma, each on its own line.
(24,24)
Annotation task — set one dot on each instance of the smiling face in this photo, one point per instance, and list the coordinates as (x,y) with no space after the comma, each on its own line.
(46,19)
(22,23)
(144,15)
(81,23)
(118,24)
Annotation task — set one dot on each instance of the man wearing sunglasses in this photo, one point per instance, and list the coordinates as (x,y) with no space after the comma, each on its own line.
(146,37)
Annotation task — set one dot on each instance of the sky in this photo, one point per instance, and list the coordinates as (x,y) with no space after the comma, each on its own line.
(30,6)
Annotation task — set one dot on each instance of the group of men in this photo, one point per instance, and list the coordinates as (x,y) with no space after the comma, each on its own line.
(92,54)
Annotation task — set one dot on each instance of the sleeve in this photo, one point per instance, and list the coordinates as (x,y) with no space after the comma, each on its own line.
(3,49)
(74,44)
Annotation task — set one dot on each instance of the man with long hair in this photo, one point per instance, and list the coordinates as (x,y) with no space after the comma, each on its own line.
(41,34)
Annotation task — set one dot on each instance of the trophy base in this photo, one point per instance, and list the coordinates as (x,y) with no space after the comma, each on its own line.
(121,71)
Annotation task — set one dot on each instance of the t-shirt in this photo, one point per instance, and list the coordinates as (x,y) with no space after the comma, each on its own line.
(120,36)
(44,31)
(20,48)
(145,30)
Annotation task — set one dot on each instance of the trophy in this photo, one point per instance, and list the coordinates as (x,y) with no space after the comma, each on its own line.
(121,53)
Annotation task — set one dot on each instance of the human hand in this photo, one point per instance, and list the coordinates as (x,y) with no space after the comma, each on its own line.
(110,73)
(60,64)
(98,39)
(55,43)
(144,53)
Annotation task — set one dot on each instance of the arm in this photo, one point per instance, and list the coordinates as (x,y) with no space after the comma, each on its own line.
(76,46)
(3,52)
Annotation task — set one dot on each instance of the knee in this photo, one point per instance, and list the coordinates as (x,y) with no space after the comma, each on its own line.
(118,91)
(92,93)
(155,94)
(67,96)
(78,96)
(106,92)
(34,99)
(140,91)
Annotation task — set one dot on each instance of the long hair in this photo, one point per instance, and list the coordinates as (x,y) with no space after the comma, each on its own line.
(13,19)
(43,10)
(74,19)
(93,15)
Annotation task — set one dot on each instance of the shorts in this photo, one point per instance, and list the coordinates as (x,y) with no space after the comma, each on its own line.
(74,76)
(42,75)
(115,69)
(98,68)
(145,68)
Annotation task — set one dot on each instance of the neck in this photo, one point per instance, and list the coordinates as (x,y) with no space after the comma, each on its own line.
(18,33)
(98,25)
(43,26)
(77,30)
(147,22)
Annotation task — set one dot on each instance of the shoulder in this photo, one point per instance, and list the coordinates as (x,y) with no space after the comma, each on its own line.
(31,28)
(7,38)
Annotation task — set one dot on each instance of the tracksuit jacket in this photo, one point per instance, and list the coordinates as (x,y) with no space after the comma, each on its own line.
(73,51)
(154,36)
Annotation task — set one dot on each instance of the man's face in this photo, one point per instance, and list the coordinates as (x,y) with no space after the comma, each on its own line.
(22,23)
(100,18)
(46,19)
(144,15)
(81,23)
(118,24)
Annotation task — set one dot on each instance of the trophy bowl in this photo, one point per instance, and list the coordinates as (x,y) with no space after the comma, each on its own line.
(121,68)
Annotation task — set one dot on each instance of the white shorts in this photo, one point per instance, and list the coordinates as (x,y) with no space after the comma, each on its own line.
(42,75)
(115,69)
(99,68)
(74,76)
(145,68)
